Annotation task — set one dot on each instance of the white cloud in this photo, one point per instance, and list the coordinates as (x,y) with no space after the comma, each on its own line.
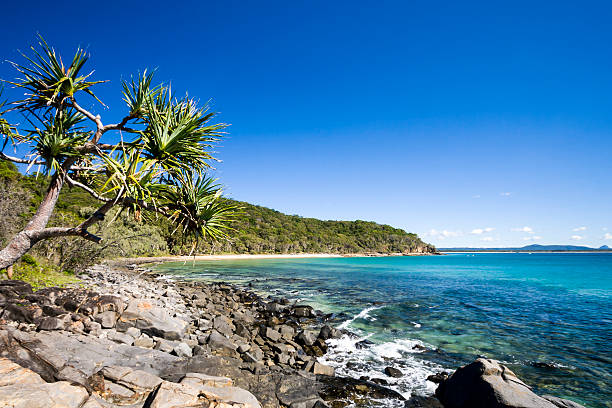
(528,230)
(480,231)
(443,234)
(604,228)
(532,238)
(506,194)
(579,229)
(476,196)
(608,236)
(576,237)
(487,239)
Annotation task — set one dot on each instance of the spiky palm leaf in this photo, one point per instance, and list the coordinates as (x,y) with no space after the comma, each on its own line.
(138,91)
(48,82)
(58,139)
(196,205)
(178,134)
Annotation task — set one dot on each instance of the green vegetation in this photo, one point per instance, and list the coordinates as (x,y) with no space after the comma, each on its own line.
(155,165)
(256,230)
(39,276)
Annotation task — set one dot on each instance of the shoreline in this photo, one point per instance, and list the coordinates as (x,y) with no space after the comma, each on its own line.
(222,257)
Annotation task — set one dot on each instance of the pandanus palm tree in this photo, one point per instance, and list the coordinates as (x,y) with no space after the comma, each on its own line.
(159,165)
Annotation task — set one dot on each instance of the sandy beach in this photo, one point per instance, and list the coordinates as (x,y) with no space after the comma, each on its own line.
(179,258)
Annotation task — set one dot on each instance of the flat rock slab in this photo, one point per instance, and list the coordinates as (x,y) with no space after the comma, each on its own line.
(85,353)
(47,395)
(11,374)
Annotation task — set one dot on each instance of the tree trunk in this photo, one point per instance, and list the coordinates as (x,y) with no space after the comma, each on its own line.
(23,242)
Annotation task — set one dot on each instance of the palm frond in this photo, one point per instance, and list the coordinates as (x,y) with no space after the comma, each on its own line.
(178,134)
(47,81)
(197,206)
(58,139)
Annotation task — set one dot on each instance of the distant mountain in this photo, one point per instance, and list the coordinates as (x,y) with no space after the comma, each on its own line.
(529,248)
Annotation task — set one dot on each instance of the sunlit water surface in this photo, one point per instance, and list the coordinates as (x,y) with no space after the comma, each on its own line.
(547,316)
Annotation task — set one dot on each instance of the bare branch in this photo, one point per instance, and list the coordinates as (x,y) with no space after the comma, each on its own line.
(86,188)
(18,160)
(96,119)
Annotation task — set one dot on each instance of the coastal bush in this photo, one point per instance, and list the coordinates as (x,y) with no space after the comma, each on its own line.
(41,275)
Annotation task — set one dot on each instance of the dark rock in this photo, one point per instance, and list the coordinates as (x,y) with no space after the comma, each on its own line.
(270,333)
(340,389)
(363,344)
(438,377)
(487,383)
(303,311)
(52,323)
(306,338)
(22,312)
(393,372)
(417,401)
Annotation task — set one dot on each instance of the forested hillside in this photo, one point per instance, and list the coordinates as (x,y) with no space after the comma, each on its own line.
(256,230)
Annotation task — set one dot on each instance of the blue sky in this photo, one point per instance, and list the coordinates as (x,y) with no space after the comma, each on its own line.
(470,123)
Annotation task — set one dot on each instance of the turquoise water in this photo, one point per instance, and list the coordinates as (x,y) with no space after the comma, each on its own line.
(547,316)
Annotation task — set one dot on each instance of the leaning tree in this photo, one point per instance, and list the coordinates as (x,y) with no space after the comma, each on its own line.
(153,161)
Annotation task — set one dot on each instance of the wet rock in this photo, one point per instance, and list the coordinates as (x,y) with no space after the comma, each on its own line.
(393,372)
(418,401)
(363,344)
(303,311)
(337,390)
(328,332)
(438,377)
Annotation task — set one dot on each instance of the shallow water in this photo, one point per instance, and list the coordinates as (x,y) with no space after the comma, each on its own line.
(547,316)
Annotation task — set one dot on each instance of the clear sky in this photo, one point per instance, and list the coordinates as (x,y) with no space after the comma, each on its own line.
(469,123)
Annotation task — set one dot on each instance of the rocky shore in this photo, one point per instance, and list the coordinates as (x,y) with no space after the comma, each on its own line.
(129,338)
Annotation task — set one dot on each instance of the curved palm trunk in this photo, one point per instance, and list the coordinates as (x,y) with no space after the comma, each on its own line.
(25,240)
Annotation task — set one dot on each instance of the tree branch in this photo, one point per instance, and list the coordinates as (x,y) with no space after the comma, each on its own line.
(63,232)
(86,188)
(18,160)
(96,119)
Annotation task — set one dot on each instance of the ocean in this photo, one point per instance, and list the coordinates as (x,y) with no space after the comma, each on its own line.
(547,316)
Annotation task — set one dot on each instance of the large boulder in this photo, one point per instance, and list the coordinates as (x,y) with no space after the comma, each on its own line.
(488,384)
(153,320)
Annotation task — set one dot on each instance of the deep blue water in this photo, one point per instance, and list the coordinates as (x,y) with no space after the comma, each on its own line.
(547,316)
